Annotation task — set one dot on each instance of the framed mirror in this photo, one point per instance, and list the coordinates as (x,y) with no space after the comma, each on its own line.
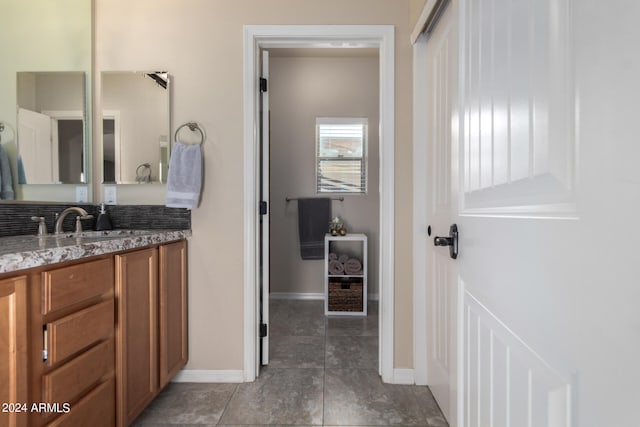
(52,142)
(45,41)
(136,134)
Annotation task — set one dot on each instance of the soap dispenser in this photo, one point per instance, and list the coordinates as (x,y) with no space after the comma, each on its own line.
(104,221)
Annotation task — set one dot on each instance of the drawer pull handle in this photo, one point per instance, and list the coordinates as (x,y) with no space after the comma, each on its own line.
(45,349)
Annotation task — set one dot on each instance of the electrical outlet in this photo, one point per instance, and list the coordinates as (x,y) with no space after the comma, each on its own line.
(82,194)
(109,196)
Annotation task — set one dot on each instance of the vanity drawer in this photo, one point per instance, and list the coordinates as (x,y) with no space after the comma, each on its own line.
(96,409)
(68,382)
(80,330)
(70,285)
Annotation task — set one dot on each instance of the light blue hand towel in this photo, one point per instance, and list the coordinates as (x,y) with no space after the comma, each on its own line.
(184,179)
(6,180)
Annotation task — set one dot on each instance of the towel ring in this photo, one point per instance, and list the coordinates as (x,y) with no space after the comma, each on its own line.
(143,175)
(193,126)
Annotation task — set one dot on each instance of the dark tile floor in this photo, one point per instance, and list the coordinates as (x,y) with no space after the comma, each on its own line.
(322,372)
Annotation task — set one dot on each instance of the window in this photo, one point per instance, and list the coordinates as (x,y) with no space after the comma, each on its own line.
(341,152)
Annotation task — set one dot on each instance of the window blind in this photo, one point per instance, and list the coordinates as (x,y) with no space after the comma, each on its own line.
(341,155)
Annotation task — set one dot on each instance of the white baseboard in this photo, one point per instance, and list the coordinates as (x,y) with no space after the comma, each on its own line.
(400,376)
(208,376)
(403,376)
(296,295)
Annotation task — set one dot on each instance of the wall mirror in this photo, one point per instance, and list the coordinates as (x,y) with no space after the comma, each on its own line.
(46,50)
(136,135)
(52,143)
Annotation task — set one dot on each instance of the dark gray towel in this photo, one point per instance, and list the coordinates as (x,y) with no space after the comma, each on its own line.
(314,215)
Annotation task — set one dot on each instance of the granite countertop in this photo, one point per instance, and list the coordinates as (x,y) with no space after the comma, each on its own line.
(23,252)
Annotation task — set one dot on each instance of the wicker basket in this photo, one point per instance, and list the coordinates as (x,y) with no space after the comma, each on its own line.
(345,295)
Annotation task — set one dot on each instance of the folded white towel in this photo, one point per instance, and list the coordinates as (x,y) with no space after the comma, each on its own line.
(184,179)
(332,256)
(336,267)
(353,266)
(343,258)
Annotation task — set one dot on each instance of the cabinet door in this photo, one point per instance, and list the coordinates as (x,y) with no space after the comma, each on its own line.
(173,310)
(136,326)
(13,349)
(94,409)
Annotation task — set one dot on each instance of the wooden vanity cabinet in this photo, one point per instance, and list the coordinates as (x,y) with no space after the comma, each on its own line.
(73,324)
(151,331)
(13,342)
(93,340)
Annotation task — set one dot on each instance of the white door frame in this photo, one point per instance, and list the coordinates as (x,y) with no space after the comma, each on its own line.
(421,218)
(420,213)
(328,36)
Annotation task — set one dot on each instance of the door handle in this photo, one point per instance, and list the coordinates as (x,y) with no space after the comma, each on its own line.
(451,241)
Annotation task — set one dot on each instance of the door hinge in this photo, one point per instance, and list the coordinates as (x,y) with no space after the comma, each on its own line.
(263,207)
(263,330)
(263,84)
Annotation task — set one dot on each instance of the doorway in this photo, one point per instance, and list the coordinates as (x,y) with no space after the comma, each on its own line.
(321,98)
(269,37)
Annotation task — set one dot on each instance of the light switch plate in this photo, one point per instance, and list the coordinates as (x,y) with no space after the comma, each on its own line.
(110,195)
(82,194)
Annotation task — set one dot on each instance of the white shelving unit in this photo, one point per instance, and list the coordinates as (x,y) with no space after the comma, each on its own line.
(344,285)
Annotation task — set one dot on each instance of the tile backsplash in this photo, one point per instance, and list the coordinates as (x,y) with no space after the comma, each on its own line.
(15,218)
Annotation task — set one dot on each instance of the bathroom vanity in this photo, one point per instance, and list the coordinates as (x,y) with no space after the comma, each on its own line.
(92,326)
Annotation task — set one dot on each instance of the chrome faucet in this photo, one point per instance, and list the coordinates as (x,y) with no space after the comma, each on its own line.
(82,214)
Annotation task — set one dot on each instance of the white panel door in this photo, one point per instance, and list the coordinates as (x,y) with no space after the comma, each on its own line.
(39,157)
(516,207)
(545,191)
(441,292)
(264,216)
(547,194)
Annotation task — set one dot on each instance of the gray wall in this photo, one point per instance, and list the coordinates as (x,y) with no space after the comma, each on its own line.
(302,88)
